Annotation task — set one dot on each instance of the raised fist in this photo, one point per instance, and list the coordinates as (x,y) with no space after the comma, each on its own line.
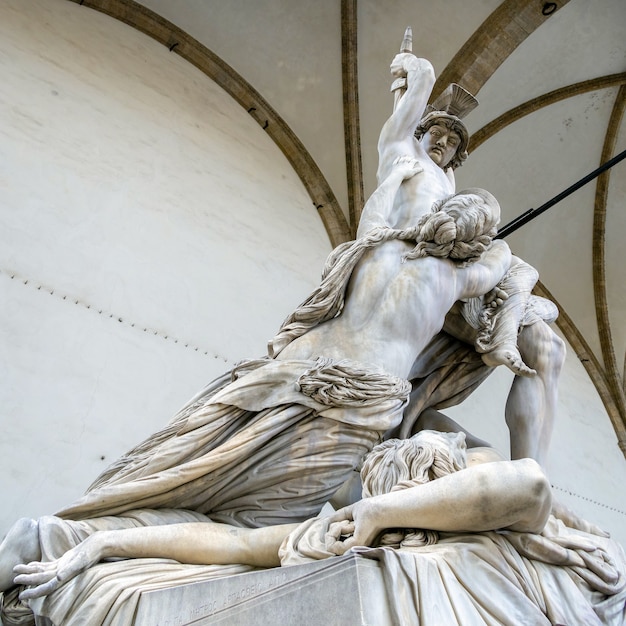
(405,62)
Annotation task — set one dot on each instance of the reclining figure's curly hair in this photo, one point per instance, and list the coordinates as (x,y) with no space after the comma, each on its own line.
(402,463)
(460,227)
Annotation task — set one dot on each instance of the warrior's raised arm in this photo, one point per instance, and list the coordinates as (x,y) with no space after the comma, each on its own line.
(397,135)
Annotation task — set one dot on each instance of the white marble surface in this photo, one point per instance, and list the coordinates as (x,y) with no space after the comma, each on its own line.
(162,203)
(585,466)
(346,592)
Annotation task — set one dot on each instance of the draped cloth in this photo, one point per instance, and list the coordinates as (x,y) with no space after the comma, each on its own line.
(269,447)
(473,579)
(268,444)
(487,579)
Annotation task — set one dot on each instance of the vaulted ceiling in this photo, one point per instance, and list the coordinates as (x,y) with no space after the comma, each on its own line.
(551,81)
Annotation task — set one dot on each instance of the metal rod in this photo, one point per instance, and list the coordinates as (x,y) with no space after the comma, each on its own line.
(531,214)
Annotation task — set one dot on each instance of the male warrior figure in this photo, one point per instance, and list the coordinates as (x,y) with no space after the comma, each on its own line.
(449,369)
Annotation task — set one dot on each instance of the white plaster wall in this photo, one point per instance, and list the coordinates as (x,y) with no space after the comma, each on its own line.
(143,197)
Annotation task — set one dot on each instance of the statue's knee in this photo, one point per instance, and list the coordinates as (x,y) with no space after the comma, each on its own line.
(541,347)
(24,526)
(538,493)
(538,482)
(23,537)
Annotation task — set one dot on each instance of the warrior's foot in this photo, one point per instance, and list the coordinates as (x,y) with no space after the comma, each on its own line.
(508,355)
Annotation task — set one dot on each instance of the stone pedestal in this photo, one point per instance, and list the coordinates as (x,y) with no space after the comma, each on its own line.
(345,591)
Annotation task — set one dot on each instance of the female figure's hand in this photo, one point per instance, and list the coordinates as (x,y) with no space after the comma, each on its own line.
(43,578)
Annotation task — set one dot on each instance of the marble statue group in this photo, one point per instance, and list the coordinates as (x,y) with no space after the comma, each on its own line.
(408,319)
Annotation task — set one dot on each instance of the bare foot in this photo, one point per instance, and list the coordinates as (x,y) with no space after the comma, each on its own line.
(508,355)
(495,297)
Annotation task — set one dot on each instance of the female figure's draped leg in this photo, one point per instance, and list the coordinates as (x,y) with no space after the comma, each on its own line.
(270,447)
(263,450)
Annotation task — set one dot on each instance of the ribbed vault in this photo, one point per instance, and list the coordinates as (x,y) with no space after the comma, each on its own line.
(250,99)
(505,31)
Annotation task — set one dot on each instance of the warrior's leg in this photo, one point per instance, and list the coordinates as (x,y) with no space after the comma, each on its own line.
(531,405)
(431,419)
(21,545)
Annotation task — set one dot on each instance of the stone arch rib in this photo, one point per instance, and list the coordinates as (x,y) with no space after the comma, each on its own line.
(492,43)
(351,123)
(590,363)
(518,112)
(606,379)
(178,41)
(599,267)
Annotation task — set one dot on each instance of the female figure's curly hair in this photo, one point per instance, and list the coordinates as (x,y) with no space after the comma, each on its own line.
(459,227)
